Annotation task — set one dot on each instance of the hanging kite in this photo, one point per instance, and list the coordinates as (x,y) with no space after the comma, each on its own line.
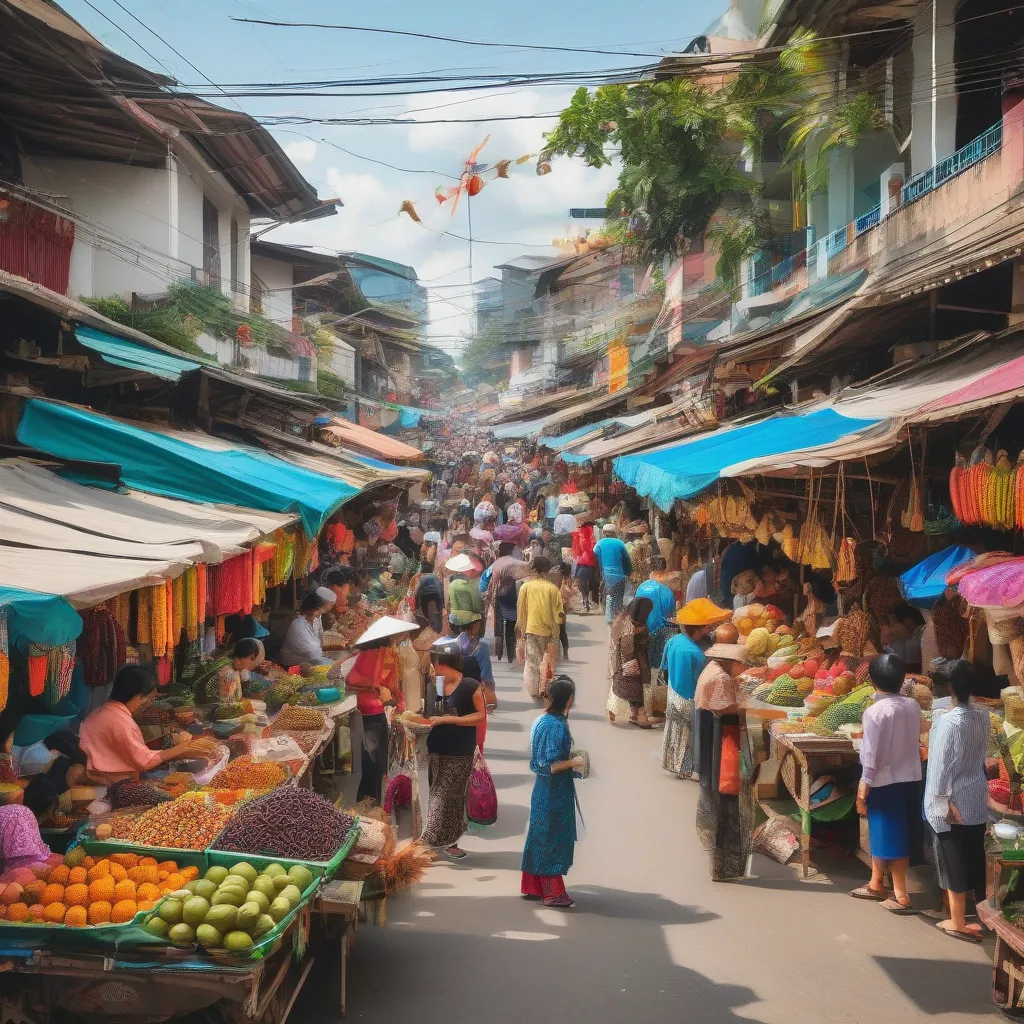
(472,180)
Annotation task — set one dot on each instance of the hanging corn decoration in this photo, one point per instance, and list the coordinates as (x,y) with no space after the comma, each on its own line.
(815,550)
(158,620)
(957,479)
(192,603)
(846,570)
(790,545)
(121,608)
(1004,486)
(172,636)
(144,614)
(5,662)
(177,609)
(201,590)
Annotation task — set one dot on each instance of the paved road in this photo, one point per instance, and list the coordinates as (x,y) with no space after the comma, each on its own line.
(651,938)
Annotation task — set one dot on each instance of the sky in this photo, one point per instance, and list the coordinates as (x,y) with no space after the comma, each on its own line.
(510,217)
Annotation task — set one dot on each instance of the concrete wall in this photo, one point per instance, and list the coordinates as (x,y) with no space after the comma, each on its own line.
(126,246)
(342,362)
(142,227)
(256,360)
(273,279)
(922,154)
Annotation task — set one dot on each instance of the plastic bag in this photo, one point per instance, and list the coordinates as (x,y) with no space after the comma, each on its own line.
(482,799)
(276,748)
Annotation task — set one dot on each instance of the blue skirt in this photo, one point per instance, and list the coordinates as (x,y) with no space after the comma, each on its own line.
(891,811)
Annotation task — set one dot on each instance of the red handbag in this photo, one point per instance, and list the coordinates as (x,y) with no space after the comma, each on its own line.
(729,775)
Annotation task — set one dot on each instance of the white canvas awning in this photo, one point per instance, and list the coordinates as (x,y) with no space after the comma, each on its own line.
(43,509)
(84,580)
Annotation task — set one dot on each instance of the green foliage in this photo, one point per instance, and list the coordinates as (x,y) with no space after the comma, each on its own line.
(480,350)
(671,137)
(186,312)
(680,141)
(737,239)
(330,385)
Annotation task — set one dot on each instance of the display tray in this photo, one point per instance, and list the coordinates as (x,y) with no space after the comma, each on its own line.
(95,937)
(327,868)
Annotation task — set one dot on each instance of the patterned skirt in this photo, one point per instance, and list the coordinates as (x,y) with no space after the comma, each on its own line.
(446,811)
(677,746)
(725,823)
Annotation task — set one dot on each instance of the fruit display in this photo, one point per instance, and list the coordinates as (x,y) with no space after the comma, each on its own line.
(182,824)
(224,712)
(177,783)
(755,616)
(230,908)
(83,890)
(847,711)
(298,720)
(288,822)
(245,773)
(786,692)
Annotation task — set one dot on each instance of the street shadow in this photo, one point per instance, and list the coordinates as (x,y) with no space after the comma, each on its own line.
(495,724)
(512,821)
(524,966)
(495,754)
(489,860)
(942,986)
(506,780)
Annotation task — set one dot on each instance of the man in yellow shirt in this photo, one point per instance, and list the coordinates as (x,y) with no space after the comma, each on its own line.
(540,615)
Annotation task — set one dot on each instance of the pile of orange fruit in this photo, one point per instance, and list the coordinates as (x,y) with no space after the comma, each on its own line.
(245,773)
(86,890)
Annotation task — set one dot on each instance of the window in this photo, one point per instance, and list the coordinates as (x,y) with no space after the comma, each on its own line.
(211,243)
(236,284)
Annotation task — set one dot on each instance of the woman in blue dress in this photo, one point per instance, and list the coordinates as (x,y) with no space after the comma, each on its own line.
(552,833)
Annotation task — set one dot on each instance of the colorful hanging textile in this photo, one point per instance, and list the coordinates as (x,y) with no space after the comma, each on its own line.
(101,647)
(60,664)
(231,586)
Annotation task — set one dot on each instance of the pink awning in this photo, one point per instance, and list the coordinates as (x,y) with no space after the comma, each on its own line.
(1005,380)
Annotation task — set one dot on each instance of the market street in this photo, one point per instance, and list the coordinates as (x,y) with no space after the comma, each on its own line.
(651,935)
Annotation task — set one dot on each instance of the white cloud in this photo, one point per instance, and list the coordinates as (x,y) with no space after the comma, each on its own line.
(301,151)
(510,217)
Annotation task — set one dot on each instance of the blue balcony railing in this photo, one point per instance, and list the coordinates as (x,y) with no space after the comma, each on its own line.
(869,220)
(971,154)
(835,243)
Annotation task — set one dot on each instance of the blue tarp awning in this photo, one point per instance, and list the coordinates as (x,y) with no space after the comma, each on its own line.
(684,470)
(520,429)
(167,465)
(34,618)
(133,356)
(925,582)
(574,435)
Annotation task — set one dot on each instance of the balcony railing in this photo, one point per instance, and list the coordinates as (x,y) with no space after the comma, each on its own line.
(971,154)
(765,275)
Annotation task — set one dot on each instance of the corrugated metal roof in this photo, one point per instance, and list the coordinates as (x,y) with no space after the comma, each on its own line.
(368,441)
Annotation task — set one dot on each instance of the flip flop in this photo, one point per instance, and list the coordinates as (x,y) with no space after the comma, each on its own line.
(954,933)
(894,906)
(865,892)
(560,903)
(461,855)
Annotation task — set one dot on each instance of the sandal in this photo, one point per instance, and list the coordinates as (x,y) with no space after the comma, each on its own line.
(865,892)
(641,721)
(560,903)
(894,906)
(955,933)
(454,853)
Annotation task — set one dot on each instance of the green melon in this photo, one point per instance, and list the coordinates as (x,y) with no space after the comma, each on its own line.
(262,926)
(217,874)
(182,935)
(171,911)
(302,877)
(209,937)
(279,909)
(237,942)
(291,894)
(247,871)
(194,911)
(274,870)
(265,885)
(259,899)
(231,897)
(248,915)
(222,917)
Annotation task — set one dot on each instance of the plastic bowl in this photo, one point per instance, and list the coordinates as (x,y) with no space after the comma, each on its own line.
(1006,830)
(328,694)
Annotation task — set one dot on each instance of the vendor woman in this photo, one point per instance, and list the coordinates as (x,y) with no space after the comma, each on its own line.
(304,641)
(112,740)
(246,657)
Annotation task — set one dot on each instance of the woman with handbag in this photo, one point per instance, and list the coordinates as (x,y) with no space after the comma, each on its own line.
(550,839)
(451,745)
(725,807)
(627,659)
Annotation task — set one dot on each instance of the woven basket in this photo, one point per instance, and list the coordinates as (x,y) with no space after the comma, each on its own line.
(656,699)
(1002,631)
(1013,705)
(1017,654)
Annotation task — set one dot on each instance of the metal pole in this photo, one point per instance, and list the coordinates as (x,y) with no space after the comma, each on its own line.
(935,86)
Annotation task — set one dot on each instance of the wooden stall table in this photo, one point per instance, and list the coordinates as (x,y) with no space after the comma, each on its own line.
(802,759)
(339,900)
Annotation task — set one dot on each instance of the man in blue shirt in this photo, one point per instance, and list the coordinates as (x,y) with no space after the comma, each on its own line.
(616,568)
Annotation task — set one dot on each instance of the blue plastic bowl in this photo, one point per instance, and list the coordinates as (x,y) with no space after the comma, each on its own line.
(328,694)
